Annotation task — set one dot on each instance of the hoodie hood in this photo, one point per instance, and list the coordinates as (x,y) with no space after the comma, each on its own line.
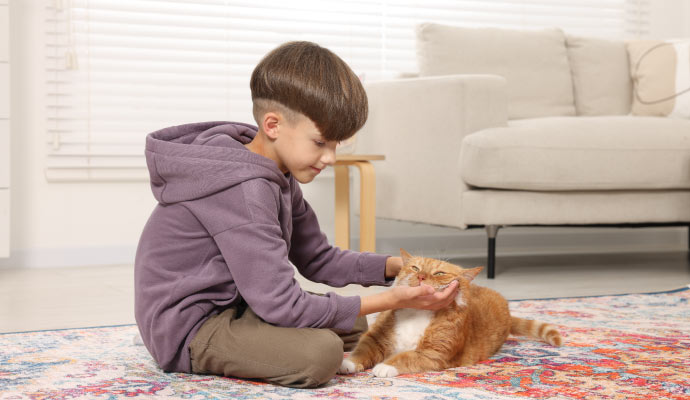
(190,161)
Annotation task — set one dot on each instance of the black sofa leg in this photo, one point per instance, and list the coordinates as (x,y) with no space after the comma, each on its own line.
(491,232)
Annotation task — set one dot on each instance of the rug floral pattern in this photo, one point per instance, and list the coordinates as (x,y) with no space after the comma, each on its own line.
(616,347)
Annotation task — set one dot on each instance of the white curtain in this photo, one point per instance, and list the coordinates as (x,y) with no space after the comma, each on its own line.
(119,69)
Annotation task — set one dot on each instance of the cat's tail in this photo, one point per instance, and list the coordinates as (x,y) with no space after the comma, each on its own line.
(535,329)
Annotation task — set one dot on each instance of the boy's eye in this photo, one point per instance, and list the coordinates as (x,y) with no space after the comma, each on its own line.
(319,143)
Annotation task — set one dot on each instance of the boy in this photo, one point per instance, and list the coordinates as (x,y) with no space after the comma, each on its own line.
(214,288)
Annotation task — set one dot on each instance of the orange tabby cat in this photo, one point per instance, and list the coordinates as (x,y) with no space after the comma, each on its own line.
(471,329)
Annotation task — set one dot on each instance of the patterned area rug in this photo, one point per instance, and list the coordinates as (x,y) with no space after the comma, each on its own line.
(616,347)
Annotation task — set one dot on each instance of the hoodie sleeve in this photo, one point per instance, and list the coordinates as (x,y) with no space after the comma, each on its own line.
(320,262)
(256,254)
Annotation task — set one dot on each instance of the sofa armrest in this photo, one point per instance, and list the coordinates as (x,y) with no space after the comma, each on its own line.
(418,125)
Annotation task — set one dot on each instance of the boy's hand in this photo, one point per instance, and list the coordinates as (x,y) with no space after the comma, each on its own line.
(423,297)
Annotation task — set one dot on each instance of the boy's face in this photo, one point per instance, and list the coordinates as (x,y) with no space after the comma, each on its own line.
(302,150)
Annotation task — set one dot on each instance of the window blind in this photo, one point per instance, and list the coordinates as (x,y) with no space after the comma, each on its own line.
(119,69)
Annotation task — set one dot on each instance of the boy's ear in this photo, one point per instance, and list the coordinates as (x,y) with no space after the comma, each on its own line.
(405,256)
(270,124)
(472,272)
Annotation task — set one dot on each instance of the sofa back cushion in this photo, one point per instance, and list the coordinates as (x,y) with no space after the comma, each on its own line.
(601,76)
(661,77)
(534,63)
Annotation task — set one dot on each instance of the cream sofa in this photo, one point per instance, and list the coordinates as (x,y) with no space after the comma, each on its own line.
(508,128)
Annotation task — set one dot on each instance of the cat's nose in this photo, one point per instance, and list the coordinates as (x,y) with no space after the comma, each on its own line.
(421,276)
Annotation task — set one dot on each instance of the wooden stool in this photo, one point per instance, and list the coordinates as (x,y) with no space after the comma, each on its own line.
(367,200)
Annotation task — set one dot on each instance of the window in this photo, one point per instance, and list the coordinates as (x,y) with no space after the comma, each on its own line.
(119,69)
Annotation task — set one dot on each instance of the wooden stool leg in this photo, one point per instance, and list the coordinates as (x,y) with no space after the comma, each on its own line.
(367,207)
(342,206)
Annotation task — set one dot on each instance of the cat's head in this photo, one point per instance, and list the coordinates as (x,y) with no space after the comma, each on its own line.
(435,273)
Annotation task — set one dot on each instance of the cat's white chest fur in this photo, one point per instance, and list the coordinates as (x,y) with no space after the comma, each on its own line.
(409,328)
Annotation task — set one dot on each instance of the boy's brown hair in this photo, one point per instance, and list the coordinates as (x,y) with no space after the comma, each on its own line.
(311,80)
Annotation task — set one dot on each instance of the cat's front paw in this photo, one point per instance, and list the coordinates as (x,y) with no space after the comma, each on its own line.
(385,371)
(348,367)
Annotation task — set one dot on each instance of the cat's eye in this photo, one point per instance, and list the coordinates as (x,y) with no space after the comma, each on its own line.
(415,269)
(439,273)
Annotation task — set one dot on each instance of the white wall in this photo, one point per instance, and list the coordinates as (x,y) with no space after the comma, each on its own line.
(54,224)
(4,129)
(670,19)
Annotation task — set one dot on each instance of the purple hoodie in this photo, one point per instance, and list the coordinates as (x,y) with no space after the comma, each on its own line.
(227,224)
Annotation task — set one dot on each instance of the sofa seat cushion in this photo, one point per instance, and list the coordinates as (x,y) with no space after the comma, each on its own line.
(579,153)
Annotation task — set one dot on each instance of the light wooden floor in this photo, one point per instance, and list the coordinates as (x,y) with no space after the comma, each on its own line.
(36,299)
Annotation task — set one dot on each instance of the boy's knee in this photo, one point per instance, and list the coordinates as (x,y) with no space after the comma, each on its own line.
(319,362)
(324,357)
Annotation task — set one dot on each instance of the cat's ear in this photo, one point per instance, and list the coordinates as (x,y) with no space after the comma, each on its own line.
(472,273)
(405,256)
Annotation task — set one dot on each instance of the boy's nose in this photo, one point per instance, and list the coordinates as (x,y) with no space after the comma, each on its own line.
(328,157)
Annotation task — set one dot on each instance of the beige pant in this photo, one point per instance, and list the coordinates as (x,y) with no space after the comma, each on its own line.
(238,343)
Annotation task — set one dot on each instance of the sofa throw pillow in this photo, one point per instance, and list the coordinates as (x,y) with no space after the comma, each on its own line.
(661,77)
(534,63)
